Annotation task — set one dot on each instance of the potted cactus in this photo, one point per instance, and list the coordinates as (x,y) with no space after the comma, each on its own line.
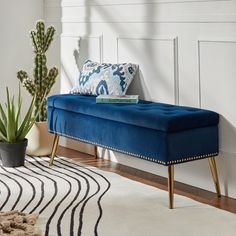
(13,132)
(40,140)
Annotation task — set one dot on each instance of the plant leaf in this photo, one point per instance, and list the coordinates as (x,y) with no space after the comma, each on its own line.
(3,129)
(19,103)
(3,138)
(25,123)
(10,120)
(31,121)
(4,118)
(13,114)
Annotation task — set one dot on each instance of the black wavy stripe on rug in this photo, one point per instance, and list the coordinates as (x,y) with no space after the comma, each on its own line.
(64,195)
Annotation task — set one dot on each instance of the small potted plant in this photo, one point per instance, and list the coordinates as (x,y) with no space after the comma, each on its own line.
(13,131)
(40,140)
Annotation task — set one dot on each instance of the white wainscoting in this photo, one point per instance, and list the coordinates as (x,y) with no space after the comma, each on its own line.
(186,50)
(155,81)
(217,85)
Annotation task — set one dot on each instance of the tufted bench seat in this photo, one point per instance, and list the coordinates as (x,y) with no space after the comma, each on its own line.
(162,133)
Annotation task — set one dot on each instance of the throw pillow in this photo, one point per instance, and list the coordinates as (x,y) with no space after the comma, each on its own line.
(105,78)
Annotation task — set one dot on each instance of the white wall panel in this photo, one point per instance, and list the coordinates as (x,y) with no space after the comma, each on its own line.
(217,81)
(156,58)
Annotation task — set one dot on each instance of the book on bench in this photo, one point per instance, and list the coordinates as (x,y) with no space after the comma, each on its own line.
(117,99)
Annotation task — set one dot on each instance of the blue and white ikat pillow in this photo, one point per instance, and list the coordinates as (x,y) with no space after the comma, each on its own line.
(105,78)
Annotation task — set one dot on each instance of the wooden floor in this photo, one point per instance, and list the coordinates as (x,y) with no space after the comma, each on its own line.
(225,203)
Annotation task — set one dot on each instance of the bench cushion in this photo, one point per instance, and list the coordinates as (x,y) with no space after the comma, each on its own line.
(143,130)
(157,116)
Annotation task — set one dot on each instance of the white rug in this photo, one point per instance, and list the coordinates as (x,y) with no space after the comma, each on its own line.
(76,200)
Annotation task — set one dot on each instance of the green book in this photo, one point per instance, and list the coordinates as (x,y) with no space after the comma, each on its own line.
(117,99)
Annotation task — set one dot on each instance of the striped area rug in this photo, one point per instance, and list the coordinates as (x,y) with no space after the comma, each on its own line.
(73,199)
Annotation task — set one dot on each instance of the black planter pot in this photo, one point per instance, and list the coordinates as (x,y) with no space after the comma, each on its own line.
(13,154)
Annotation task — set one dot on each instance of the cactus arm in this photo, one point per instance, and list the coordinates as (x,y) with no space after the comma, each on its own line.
(22,75)
(50,80)
(40,27)
(49,37)
(26,81)
(33,36)
(30,86)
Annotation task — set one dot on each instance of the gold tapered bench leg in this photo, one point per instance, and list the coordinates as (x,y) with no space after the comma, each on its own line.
(96,152)
(171,186)
(214,173)
(54,148)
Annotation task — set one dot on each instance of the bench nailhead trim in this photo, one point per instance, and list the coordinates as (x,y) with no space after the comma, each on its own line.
(137,155)
(192,158)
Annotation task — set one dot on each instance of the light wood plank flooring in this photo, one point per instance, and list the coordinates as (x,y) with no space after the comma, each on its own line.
(225,203)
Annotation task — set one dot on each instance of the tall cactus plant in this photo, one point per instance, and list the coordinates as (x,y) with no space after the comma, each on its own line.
(43,79)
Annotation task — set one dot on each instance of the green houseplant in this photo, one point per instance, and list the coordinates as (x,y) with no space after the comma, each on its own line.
(43,79)
(13,131)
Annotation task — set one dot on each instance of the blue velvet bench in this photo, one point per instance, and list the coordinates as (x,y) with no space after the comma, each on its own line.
(157,132)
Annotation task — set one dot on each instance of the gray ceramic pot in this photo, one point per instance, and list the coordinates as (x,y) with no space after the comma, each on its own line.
(13,154)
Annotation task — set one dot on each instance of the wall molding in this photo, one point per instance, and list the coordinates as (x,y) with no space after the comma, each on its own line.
(176,68)
(81,3)
(184,18)
(71,11)
(199,42)
(99,37)
(173,40)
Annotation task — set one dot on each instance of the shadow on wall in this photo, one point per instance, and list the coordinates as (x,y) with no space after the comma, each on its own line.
(77,56)
(79,63)
(81,42)
(82,53)
(139,83)
(82,45)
